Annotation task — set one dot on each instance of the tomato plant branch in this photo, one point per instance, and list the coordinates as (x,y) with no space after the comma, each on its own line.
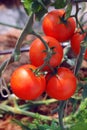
(17,110)
(76,17)
(60,113)
(79,59)
(27,29)
(83,47)
(36,103)
(44,42)
(16,53)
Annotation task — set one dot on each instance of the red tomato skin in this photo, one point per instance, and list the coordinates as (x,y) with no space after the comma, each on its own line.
(48,76)
(63,85)
(76,40)
(25,84)
(37,54)
(53,26)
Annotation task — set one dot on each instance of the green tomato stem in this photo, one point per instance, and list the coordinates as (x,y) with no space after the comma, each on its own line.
(37,103)
(19,111)
(79,59)
(16,53)
(60,113)
(44,42)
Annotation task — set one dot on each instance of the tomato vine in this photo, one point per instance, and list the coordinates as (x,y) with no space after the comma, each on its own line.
(36,10)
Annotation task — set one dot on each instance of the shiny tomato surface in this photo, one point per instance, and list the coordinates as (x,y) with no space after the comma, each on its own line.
(38,52)
(26,84)
(62,85)
(54,25)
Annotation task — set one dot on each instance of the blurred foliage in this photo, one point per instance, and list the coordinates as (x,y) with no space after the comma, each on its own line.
(37,125)
(40,7)
(37,6)
(59,3)
(76,120)
(79,126)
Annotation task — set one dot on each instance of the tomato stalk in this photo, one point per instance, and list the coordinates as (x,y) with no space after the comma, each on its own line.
(60,110)
(18,110)
(76,17)
(60,113)
(37,103)
(83,45)
(16,53)
(44,42)
(80,58)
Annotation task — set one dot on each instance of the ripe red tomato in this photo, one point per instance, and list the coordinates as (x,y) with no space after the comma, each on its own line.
(38,52)
(63,85)
(76,40)
(26,84)
(53,25)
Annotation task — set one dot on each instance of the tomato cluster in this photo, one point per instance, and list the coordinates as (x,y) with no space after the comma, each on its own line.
(28,81)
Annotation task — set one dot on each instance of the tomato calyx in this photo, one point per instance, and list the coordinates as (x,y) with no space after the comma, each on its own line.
(49,52)
(37,71)
(63,19)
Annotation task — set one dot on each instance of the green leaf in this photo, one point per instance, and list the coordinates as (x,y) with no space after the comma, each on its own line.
(54,126)
(27,5)
(68,10)
(59,4)
(39,7)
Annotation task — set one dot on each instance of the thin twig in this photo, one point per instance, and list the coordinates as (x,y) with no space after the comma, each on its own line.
(76,17)
(44,42)
(79,59)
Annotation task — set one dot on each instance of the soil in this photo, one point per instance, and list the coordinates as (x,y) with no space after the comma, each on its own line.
(8,39)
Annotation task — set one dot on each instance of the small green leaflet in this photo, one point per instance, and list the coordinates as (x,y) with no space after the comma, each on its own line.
(59,4)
